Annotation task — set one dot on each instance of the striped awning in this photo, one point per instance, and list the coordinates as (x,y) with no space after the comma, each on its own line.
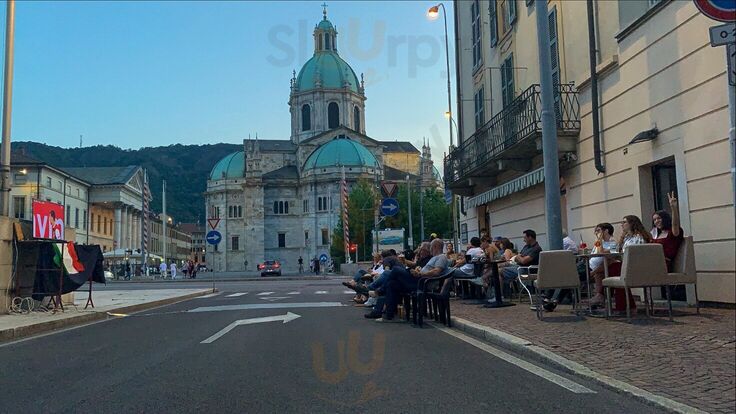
(527,180)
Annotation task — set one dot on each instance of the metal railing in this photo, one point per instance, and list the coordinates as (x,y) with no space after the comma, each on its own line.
(519,120)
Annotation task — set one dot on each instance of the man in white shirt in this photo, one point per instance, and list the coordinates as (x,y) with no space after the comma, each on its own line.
(173,270)
(466,271)
(162,268)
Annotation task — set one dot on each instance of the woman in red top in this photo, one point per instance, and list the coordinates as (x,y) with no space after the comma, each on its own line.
(666,230)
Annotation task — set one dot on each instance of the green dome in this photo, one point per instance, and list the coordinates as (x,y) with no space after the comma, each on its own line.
(333,72)
(341,151)
(232,166)
(325,25)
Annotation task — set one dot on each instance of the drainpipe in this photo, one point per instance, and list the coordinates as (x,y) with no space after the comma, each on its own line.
(597,152)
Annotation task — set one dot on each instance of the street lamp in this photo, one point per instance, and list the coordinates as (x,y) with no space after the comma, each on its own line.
(433,13)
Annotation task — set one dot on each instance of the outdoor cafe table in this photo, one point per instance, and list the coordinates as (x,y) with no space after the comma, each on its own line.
(606,257)
(496,283)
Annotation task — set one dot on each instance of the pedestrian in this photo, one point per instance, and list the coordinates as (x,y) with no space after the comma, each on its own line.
(195,269)
(316,266)
(162,269)
(173,270)
(301,265)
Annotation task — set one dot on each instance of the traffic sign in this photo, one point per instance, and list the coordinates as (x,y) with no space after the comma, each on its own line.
(389,188)
(731,51)
(323,257)
(213,222)
(721,10)
(723,34)
(448,196)
(389,207)
(214,237)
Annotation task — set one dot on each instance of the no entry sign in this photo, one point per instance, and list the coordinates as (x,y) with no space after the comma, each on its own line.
(721,10)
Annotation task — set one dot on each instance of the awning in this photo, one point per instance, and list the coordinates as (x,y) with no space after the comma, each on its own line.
(527,180)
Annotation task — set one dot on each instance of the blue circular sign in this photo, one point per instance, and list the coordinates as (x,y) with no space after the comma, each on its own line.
(721,10)
(214,237)
(389,207)
(323,257)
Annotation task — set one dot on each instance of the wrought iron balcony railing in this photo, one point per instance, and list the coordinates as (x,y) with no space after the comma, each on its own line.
(518,121)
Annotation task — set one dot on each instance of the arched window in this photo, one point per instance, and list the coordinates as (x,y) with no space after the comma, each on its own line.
(306,118)
(356,118)
(327,42)
(286,207)
(275,207)
(333,115)
(281,207)
(320,41)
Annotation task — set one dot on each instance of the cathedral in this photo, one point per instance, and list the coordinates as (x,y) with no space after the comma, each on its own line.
(279,199)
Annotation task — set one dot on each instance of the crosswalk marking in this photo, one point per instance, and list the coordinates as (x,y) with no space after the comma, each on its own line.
(265,293)
(321,292)
(348,292)
(294,293)
(211,295)
(235,295)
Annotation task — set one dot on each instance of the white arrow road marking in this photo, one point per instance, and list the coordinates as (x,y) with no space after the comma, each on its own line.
(265,293)
(211,295)
(351,292)
(235,295)
(294,293)
(320,292)
(247,306)
(273,298)
(286,318)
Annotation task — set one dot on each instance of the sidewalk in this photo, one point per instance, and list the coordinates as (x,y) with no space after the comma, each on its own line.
(15,326)
(690,360)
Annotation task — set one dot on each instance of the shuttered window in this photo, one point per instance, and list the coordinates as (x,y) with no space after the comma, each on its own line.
(507,80)
(493,25)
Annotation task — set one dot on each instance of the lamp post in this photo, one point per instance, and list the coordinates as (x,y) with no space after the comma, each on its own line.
(7,104)
(433,13)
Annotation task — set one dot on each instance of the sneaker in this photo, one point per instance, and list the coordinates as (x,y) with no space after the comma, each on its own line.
(389,320)
(373,315)
(370,302)
(549,305)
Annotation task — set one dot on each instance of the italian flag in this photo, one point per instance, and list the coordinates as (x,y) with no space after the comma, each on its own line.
(71,262)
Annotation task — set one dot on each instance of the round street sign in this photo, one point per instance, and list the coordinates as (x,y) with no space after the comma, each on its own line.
(389,207)
(323,257)
(214,237)
(721,10)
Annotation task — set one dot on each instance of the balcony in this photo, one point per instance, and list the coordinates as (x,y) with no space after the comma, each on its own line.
(511,139)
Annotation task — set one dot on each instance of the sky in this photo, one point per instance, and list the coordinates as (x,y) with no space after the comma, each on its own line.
(138,74)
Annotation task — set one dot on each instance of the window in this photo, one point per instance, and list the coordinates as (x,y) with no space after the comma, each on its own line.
(508,8)
(240,211)
(479,108)
(92,223)
(325,237)
(493,27)
(275,207)
(105,232)
(19,207)
(286,207)
(280,207)
(306,236)
(356,118)
(78,193)
(629,11)
(84,218)
(305,206)
(327,42)
(68,217)
(282,239)
(58,185)
(306,118)
(476,26)
(235,243)
(555,59)
(464,233)
(333,115)
(48,182)
(322,204)
(99,222)
(507,80)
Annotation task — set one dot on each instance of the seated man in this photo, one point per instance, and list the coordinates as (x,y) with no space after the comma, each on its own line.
(401,282)
(466,270)
(377,301)
(528,256)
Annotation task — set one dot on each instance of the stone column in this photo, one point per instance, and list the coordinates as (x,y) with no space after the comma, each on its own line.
(118,228)
(130,228)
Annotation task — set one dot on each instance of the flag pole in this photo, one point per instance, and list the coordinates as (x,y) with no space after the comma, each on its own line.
(345,229)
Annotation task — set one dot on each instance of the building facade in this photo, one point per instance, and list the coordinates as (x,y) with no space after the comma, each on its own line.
(279,199)
(658,80)
(178,241)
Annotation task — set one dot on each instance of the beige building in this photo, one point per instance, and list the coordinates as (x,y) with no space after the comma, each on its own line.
(658,79)
(178,241)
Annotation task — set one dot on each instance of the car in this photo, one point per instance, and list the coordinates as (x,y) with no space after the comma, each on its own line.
(391,240)
(270,267)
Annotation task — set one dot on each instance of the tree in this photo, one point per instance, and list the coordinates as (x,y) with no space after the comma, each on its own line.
(361,206)
(437,214)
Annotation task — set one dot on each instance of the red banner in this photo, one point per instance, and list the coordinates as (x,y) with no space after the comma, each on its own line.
(48,220)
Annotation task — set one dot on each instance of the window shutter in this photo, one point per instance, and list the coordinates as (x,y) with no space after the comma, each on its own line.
(512,12)
(493,12)
(555,59)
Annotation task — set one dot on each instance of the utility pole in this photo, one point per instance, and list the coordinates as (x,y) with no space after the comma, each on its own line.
(7,110)
(408,197)
(164,218)
(421,213)
(549,132)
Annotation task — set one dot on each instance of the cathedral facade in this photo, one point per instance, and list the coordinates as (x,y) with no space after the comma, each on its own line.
(279,199)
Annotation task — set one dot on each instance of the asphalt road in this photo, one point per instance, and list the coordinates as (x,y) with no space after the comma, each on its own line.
(328,359)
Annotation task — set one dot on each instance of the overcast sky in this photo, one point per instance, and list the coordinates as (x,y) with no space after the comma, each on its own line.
(138,74)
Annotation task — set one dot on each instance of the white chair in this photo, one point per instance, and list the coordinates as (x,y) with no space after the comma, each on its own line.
(557,270)
(643,267)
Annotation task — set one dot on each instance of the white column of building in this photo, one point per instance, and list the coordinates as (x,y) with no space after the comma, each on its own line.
(124,229)
(136,230)
(118,228)
(129,227)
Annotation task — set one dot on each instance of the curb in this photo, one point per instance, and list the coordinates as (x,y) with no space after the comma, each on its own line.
(539,354)
(21,332)
(241,279)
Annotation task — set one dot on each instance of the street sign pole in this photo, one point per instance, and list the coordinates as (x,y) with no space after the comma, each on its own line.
(731,56)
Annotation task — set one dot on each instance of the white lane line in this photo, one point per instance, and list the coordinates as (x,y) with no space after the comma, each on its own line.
(320,292)
(211,295)
(534,369)
(266,306)
(294,293)
(235,295)
(273,298)
(265,293)
(348,292)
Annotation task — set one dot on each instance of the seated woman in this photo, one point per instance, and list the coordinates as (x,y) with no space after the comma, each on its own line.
(666,230)
(633,232)
(450,253)
(506,247)
(421,257)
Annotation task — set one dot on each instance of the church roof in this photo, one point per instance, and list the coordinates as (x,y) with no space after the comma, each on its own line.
(231,166)
(394,174)
(272,145)
(341,151)
(287,172)
(398,146)
(326,69)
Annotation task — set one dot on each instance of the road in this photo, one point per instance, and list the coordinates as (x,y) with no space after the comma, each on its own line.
(328,359)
